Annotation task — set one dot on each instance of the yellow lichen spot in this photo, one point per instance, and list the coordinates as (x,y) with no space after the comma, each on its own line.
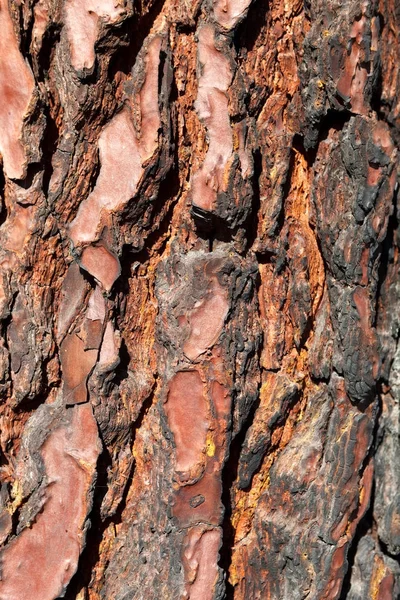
(265,388)
(235,140)
(321,84)
(326,33)
(210,446)
(16,493)
(85,465)
(361,496)
(378,574)
(233,577)
(273,173)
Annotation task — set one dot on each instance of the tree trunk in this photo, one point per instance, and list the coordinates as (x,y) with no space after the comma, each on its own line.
(199,253)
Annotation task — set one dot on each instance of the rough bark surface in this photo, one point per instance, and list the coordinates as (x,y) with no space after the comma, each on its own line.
(199,279)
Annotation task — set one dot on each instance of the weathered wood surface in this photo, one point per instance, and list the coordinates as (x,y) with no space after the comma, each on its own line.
(199,280)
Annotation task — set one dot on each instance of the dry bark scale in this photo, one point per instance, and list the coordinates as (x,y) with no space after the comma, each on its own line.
(199,313)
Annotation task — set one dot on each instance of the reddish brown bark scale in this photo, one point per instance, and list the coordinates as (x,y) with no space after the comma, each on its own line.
(199,250)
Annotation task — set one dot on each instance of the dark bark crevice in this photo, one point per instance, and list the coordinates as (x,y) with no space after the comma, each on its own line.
(3,208)
(229,477)
(365,526)
(134,30)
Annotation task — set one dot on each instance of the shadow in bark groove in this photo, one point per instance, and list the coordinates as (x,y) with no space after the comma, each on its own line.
(364,527)
(91,554)
(228,478)
(252,222)
(274,447)
(136,29)
(384,549)
(50,39)
(162,208)
(3,208)
(121,371)
(49,146)
(26,35)
(165,203)
(334,119)
(248,32)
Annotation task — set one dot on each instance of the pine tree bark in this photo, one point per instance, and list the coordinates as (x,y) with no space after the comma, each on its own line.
(199,251)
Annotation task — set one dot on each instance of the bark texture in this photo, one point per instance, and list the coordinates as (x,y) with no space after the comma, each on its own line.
(199,277)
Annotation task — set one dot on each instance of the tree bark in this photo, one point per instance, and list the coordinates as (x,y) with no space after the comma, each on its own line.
(199,253)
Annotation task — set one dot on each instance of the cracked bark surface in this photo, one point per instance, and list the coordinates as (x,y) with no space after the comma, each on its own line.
(199,312)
